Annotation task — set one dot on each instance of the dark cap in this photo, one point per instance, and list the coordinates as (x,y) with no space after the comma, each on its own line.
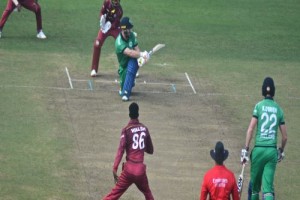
(219,154)
(268,87)
(126,23)
(133,110)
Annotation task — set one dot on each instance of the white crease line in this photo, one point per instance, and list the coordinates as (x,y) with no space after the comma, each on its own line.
(137,82)
(70,81)
(188,78)
(29,86)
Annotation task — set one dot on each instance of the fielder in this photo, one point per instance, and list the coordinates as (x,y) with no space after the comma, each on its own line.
(110,15)
(128,52)
(31,5)
(268,117)
(136,140)
(219,182)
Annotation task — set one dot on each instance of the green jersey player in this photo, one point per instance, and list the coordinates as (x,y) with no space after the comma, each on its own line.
(127,50)
(268,117)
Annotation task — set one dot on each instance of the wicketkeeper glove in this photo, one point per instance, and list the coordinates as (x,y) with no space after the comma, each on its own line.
(244,156)
(280,154)
(106,27)
(102,21)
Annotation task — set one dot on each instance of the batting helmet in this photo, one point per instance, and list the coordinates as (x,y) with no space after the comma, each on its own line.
(268,87)
(126,23)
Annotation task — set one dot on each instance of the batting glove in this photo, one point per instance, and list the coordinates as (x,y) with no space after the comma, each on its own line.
(280,154)
(244,156)
(141,61)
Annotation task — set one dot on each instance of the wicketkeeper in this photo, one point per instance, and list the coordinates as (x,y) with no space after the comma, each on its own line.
(110,16)
(268,117)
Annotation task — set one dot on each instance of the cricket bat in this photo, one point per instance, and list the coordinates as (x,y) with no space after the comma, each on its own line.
(156,48)
(241,180)
(141,60)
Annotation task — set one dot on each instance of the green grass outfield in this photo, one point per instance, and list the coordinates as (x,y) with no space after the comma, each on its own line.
(232,44)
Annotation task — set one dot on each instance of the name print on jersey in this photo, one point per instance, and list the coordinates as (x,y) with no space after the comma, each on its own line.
(138,129)
(220,182)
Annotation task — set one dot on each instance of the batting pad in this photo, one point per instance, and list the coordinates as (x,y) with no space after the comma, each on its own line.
(132,69)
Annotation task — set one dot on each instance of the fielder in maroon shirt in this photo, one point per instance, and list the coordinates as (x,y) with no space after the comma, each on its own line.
(135,140)
(110,16)
(219,182)
(31,5)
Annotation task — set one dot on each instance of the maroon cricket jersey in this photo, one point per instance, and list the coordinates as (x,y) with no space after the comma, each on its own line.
(113,13)
(135,140)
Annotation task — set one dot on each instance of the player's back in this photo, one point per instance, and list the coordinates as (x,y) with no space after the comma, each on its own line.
(138,141)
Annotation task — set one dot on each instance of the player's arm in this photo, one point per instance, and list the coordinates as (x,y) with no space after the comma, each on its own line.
(249,135)
(283,131)
(149,145)
(133,53)
(250,131)
(119,155)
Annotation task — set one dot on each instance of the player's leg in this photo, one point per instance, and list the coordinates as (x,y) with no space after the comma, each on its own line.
(122,74)
(36,8)
(257,158)
(249,190)
(101,37)
(268,175)
(132,68)
(122,185)
(143,185)
(10,6)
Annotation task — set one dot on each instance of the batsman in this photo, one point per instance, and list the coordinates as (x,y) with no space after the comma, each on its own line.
(128,51)
(268,117)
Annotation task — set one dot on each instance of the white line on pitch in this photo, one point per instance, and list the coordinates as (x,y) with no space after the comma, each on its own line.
(70,81)
(188,78)
(137,82)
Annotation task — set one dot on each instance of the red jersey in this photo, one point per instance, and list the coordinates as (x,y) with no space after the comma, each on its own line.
(136,140)
(219,183)
(113,13)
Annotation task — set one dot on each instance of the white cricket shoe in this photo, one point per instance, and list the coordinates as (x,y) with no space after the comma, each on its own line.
(41,35)
(93,73)
(125,98)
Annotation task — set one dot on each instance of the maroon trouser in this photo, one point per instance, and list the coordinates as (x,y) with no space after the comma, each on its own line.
(98,45)
(28,4)
(132,173)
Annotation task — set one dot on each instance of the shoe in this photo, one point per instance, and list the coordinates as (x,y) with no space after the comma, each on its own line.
(93,73)
(125,98)
(41,35)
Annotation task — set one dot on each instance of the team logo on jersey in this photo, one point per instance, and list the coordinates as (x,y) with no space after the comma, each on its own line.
(130,44)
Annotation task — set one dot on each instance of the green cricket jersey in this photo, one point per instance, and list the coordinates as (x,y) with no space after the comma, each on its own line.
(120,45)
(270,116)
